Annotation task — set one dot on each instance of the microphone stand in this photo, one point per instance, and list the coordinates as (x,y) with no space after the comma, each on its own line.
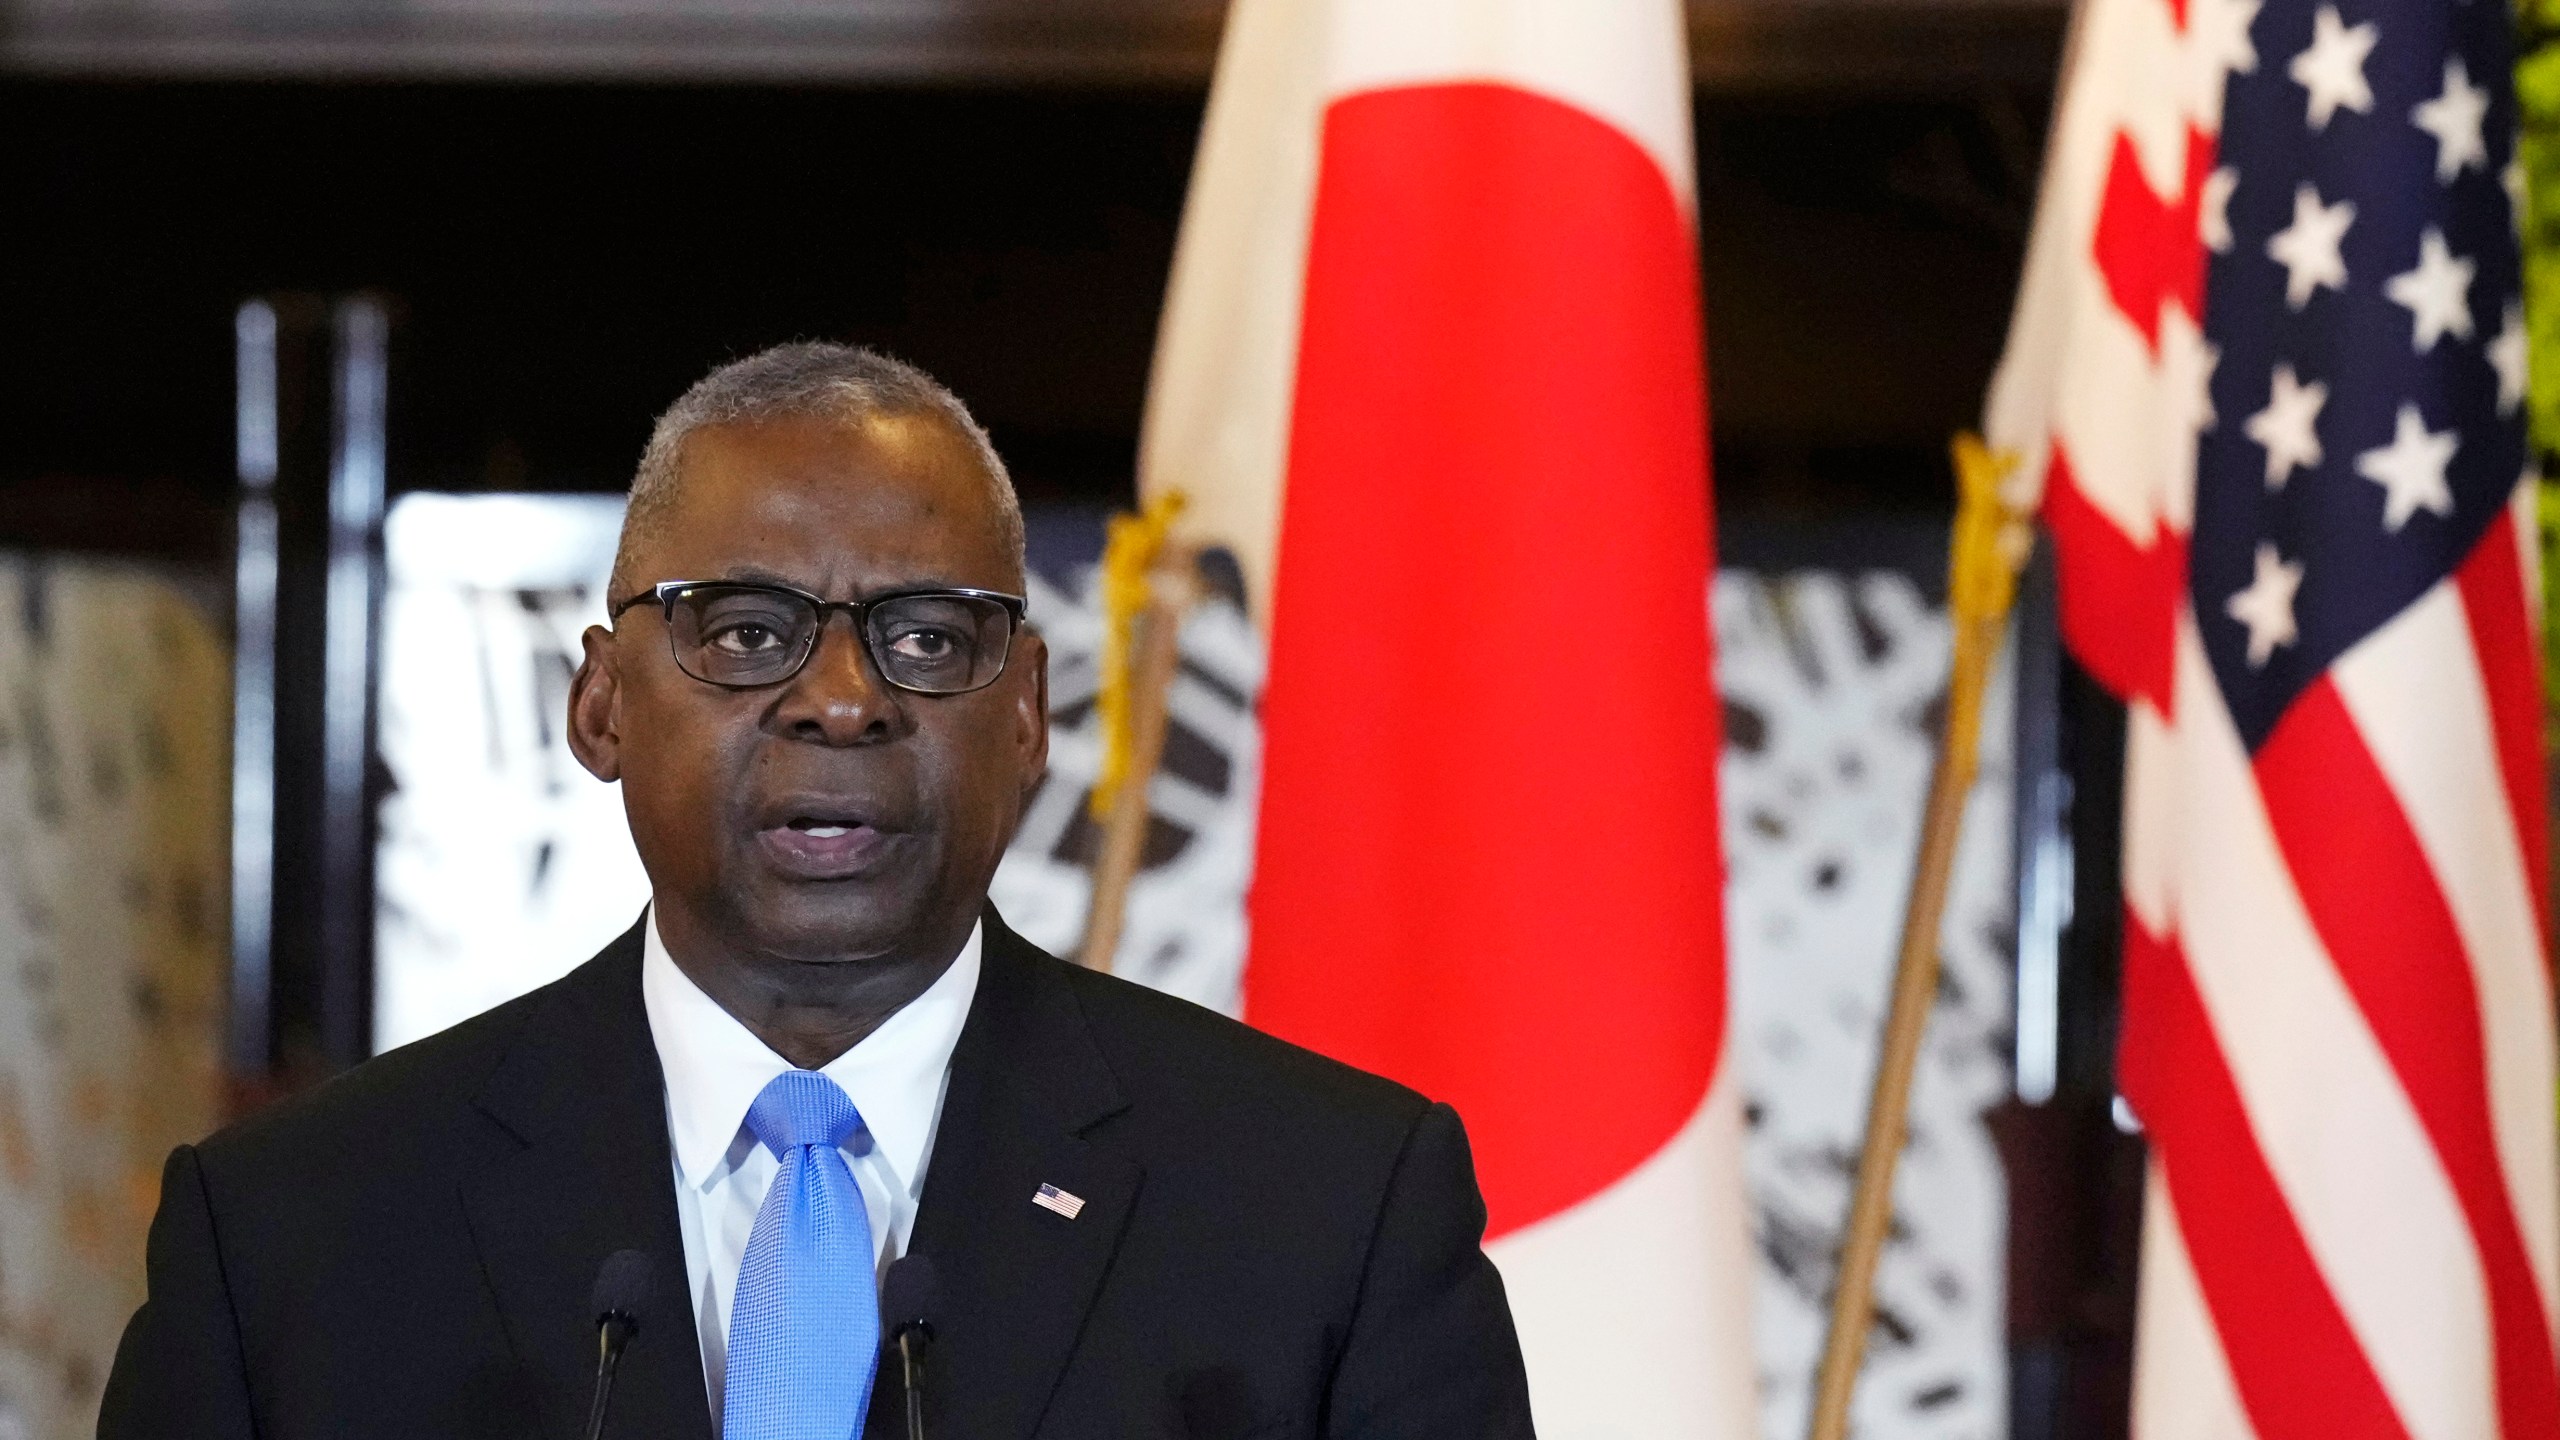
(911,1366)
(611,1336)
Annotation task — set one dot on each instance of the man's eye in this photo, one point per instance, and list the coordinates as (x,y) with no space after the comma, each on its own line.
(925,644)
(745,637)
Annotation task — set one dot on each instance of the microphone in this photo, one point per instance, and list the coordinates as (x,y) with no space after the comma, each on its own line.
(620,1287)
(909,1299)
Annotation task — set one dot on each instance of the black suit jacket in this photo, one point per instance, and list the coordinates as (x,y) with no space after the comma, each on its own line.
(1271,1244)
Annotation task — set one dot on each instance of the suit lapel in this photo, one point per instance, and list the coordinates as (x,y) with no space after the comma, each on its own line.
(1026,1082)
(581,1169)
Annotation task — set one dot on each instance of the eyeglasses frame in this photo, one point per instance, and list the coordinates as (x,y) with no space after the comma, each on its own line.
(667,592)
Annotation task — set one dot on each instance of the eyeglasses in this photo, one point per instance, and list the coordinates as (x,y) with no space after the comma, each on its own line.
(739,635)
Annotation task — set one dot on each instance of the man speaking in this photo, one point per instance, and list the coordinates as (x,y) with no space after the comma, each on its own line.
(820,1051)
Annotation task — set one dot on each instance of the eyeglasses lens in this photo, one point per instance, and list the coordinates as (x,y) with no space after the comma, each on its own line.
(740,636)
(940,644)
(934,644)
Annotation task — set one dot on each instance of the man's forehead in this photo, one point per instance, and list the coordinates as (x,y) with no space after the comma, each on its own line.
(854,452)
(897,492)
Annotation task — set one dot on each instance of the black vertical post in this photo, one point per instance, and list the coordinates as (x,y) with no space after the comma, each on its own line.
(312,460)
(257,392)
(2032,1130)
(356,491)
(2040,835)
(2075,1178)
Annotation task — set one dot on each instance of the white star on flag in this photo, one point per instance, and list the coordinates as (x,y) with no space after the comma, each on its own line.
(2454,118)
(2437,293)
(2213,208)
(2410,470)
(2288,426)
(2308,248)
(2331,68)
(2219,32)
(2266,607)
(2507,357)
(2187,363)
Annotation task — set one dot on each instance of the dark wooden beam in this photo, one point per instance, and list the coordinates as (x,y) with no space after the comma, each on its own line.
(1735,45)
(1913,47)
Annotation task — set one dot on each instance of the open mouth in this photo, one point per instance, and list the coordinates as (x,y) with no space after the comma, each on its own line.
(824,847)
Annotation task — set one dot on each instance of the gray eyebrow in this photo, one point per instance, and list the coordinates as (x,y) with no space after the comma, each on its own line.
(757,575)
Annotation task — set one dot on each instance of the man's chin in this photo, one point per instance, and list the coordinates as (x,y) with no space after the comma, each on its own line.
(838,922)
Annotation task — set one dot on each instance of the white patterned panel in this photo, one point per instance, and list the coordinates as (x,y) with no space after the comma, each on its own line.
(1832,684)
(1185,930)
(115,714)
(500,862)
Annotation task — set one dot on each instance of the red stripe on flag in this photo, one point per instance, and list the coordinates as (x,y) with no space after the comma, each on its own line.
(2375,903)
(1487,863)
(2299,1370)
(2500,608)
(2119,600)
(2150,251)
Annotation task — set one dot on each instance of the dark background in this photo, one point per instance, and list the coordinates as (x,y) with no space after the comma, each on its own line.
(566,258)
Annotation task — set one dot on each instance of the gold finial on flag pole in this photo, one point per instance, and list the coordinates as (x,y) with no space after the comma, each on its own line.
(1149,581)
(1989,546)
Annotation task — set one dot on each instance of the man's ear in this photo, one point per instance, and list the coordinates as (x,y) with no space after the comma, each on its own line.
(595,708)
(1031,710)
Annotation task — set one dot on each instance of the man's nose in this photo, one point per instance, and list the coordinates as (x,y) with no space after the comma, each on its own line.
(838,698)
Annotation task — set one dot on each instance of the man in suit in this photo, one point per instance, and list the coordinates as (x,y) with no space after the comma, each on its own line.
(820,1050)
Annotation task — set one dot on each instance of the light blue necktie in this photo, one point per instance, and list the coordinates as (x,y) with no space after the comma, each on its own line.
(804,1332)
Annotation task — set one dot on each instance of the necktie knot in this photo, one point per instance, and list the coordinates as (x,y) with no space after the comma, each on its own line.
(800,1108)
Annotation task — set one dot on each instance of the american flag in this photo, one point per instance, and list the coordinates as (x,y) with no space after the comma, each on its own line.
(2266,379)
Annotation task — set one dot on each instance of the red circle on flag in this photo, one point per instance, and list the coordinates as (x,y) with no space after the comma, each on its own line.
(1488,861)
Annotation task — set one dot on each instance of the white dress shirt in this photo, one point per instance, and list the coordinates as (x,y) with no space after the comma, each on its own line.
(715,1068)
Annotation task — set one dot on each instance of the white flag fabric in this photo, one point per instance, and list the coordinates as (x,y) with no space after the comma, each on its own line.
(1432,367)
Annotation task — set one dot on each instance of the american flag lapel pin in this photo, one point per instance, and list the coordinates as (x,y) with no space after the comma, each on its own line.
(1050,1197)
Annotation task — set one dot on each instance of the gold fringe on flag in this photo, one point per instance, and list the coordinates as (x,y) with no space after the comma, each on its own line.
(1149,581)
(1128,554)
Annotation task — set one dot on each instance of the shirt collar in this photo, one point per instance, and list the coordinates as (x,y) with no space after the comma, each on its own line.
(715,1066)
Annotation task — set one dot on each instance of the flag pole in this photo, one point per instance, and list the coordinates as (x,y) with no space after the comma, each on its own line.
(1989,545)
(1149,583)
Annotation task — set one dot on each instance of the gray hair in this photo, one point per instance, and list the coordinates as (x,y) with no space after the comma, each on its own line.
(805,378)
